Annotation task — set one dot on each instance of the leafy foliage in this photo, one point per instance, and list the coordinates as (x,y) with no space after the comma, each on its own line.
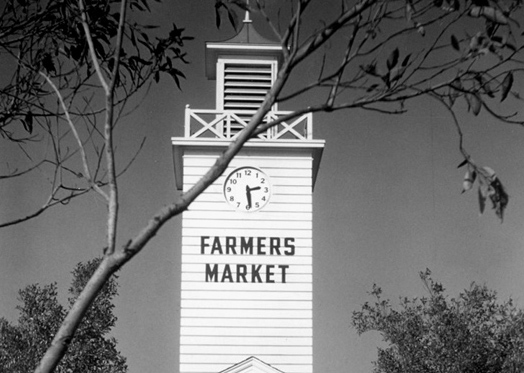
(23,345)
(44,36)
(489,186)
(61,59)
(472,333)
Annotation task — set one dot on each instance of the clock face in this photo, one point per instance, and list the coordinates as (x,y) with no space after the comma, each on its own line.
(247,189)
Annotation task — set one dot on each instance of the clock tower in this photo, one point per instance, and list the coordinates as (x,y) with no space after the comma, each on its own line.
(247,241)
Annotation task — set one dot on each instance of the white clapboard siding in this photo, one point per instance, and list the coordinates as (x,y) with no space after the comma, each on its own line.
(194,257)
(196,158)
(247,304)
(226,358)
(253,324)
(209,206)
(224,323)
(261,215)
(226,286)
(249,350)
(259,225)
(188,340)
(248,295)
(248,314)
(246,332)
(245,232)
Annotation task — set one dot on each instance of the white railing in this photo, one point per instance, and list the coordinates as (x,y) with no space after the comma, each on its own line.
(226,124)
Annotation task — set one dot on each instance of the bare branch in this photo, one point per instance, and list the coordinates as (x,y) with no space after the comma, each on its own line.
(89,39)
(77,137)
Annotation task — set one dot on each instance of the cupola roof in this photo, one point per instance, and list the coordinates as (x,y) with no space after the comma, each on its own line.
(246,43)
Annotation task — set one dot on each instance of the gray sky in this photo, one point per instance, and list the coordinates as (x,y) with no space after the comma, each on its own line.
(387,205)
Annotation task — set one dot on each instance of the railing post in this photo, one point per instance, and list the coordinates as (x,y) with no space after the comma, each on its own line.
(309,126)
(187,124)
(228,125)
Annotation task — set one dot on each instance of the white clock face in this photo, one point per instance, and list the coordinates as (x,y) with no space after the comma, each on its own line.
(247,189)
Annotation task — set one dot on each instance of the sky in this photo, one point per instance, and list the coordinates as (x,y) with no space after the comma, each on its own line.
(387,205)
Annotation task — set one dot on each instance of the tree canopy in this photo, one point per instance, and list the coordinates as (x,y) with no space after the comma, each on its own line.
(23,344)
(472,333)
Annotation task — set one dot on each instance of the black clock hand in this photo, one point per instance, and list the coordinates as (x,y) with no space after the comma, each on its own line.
(248,195)
(255,188)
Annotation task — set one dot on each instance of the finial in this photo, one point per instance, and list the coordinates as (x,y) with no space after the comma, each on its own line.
(247,18)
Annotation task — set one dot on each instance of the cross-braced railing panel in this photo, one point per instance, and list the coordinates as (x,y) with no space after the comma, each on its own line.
(226,124)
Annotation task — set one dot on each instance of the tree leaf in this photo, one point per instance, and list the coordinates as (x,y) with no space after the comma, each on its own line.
(146,5)
(455,43)
(218,19)
(406,60)
(463,163)
(507,83)
(475,103)
(175,73)
(469,179)
(233,19)
(28,122)
(480,2)
(494,15)
(393,59)
(490,13)
(489,171)
(370,69)
(499,198)
(482,200)
(48,64)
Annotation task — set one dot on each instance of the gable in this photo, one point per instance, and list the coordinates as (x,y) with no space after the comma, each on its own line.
(251,365)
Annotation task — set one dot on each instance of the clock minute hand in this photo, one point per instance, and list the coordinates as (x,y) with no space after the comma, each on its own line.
(248,195)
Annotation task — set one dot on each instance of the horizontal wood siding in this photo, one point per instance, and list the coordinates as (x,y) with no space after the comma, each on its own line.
(258,300)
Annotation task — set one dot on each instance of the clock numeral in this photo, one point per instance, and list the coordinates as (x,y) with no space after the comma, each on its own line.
(232,181)
(262,181)
(239,175)
(257,205)
(232,199)
(266,190)
(248,172)
(248,207)
(228,189)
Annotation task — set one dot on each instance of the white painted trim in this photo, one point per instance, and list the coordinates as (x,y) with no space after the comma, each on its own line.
(246,47)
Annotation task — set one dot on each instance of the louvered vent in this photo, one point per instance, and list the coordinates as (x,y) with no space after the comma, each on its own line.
(245,86)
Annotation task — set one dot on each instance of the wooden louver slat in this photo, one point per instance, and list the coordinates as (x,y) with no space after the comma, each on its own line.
(245,87)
